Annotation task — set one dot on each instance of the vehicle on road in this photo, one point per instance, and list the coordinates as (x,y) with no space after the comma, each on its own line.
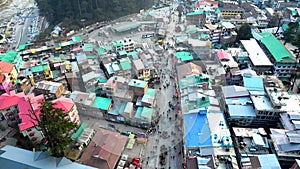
(147,35)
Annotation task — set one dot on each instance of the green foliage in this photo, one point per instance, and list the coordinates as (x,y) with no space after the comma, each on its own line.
(57,130)
(292,34)
(244,33)
(70,12)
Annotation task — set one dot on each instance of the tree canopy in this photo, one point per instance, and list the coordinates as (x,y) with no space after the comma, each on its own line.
(244,33)
(292,34)
(70,12)
(55,126)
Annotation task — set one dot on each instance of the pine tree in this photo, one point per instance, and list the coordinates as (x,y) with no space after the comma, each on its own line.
(55,126)
(244,33)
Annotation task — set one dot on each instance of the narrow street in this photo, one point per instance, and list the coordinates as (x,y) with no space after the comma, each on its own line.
(164,146)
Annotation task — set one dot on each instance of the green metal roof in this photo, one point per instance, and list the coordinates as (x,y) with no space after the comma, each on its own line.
(199,103)
(200,12)
(77,38)
(138,112)
(102,80)
(285,26)
(144,112)
(203,35)
(137,83)
(294,12)
(125,65)
(87,47)
(139,50)
(278,51)
(9,56)
(191,31)
(193,80)
(91,57)
(39,68)
(147,113)
(122,52)
(184,56)
(22,47)
(218,11)
(100,51)
(133,54)
(122,108)
(150,92)
(79,131)
(117,44)
(102,103)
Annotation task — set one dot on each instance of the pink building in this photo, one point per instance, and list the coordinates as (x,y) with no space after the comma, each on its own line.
(16,108)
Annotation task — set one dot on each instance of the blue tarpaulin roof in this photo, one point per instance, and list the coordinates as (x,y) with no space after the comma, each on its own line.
(197,130)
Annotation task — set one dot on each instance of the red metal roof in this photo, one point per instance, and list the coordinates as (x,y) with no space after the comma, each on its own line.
(6,67)
(65,104)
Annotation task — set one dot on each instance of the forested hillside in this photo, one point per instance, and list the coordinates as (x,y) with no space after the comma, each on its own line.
(70,12)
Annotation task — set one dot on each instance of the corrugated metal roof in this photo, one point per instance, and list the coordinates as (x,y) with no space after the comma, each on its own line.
(278,51)
(253,83)
(268,161)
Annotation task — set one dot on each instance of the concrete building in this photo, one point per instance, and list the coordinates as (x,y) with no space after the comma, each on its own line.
(284,63)
(138,87)
(286,145)
(50,90)
(258,59)
(16,108)
(196,18)
(126,44)
(202,49)
(222,33)
(84,103)
(250,142)
(102,152)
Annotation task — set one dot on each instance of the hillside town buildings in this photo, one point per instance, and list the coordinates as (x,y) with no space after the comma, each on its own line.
(171,87)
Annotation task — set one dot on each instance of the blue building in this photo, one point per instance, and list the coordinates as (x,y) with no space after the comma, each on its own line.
(197,134)
(14,157)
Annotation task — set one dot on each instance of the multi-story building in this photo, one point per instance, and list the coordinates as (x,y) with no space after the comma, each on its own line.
(286,145)
(40,71)
(222,33)
(50,90)
(126,44)
(17,109)
(258,59)
(139,87)
(210,9)
(102,152)
(228,12)
(233,74)
(196,18)
(284,63)
(201,48)
(250,142)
